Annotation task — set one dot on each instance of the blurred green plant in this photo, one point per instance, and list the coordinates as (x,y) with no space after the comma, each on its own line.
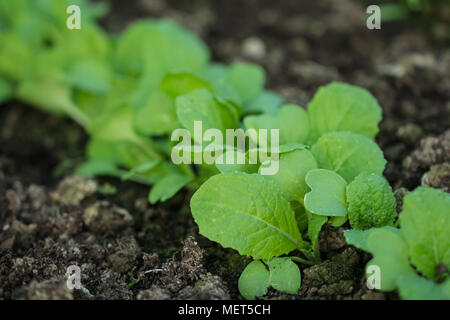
(121,89)
(404,9)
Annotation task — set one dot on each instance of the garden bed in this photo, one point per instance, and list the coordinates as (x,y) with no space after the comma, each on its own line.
(129,249)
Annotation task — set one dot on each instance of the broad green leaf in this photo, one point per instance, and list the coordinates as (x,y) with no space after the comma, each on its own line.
(90,75)
(348,154)
(216,75)
(154,105)
(414,287)
(200,105)
(267,102)
(425,223)
(390,253)
(284,275)
(292,169)
(254,280)
(291,121)
(327,195)
(358,238)
(371,202)
(158,47)
(248,213)
(15,57)
(166,187)
(176,84)
(343,107)
(247,79)
(157,115)
(235,166)
(115,125)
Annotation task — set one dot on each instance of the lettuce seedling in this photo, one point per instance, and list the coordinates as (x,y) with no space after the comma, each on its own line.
(280,273)
(266,217)
(414,259)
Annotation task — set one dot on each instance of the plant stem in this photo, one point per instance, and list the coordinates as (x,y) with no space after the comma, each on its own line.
(298,259)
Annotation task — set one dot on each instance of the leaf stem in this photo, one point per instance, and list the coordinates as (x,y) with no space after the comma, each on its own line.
(298,259)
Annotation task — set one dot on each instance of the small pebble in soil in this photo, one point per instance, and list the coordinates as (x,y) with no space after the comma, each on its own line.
(254,48)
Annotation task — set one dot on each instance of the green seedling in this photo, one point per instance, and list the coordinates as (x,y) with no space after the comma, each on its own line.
(414,259)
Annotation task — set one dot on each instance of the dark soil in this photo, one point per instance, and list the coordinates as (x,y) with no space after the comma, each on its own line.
(128,249)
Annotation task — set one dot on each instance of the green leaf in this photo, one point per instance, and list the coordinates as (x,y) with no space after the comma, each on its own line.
(90,75)
(343,107)
(159,47)
(154,105)
(247,79)
(200,105)
(291,121)
(157,115)
(248,213)
(94,168)
(337,221)
(425,222)
(166,187)
(284,275)
(348,154)
(115,125)
(235,166)
(371,202)
(15,57)
(216,75)
(292,169)
(358,238)
(315,224)
(51,96)
(301,216)
(390,253)
(414,287)
(327,195)
(140,169)
(177,84)
(121,152)
(267,102)
(5,90)
(254,280)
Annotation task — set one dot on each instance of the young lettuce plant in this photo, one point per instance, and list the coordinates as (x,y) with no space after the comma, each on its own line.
(414,259)
(170,91)
(330,170)
(123,90)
